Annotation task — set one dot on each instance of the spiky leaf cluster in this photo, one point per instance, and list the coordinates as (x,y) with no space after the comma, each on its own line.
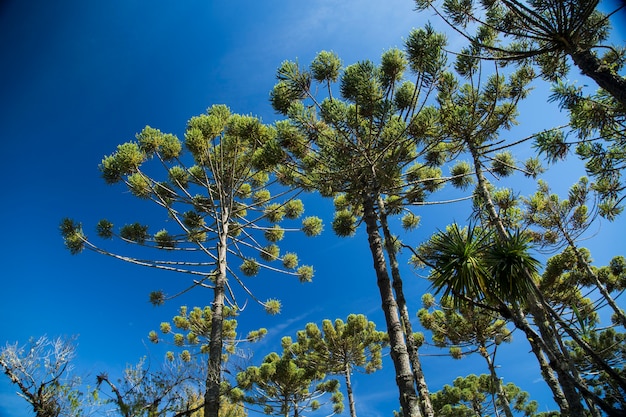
(473,264)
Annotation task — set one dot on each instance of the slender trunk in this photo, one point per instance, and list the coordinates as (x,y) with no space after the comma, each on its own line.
(346,373)
(399,353)
(606,78)
(214,372)
(497,383)
(418,373)
(536,345)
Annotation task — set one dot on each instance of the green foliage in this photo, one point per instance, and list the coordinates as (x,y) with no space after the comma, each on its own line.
(250,267)
(410,221)
(503,163)
(134,232)
(178,176)
(461,173)
(104,228)
(279,386)
(157,298)
(312,226)
(344,223)
(472,263)
(305,273)
(425,53)
(476,396)
(326,67)
(270,253)
(290,260)
(124,161)
(164,240)
(73,236)
(152,141)
(272,306)
(274,233)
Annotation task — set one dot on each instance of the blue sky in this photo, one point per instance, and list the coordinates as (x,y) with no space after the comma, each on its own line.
(78,78)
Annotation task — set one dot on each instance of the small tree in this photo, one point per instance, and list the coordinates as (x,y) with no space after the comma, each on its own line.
(475,396)
(561,222)
(41,371)
(191,331)
(340,348)
(282,388)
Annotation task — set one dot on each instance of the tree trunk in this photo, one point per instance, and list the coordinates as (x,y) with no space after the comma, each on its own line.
(504,400)
(346,373)
(214,372)
(399,353)
(418,373)
(592,67)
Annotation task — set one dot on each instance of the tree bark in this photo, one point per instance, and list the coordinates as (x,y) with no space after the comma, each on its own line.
(504,400)
(591,66)
(351,405)
(418,373)
(399,353)
(214,372)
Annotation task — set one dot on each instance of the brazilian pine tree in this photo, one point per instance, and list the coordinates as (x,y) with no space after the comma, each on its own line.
(473,395)
(340,348)
(362,148)
(226,207)
(281,387)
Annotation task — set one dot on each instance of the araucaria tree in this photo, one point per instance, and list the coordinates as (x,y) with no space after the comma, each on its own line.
(221,201)
(474,395)
(361,147)
(281,387)
(340,348)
